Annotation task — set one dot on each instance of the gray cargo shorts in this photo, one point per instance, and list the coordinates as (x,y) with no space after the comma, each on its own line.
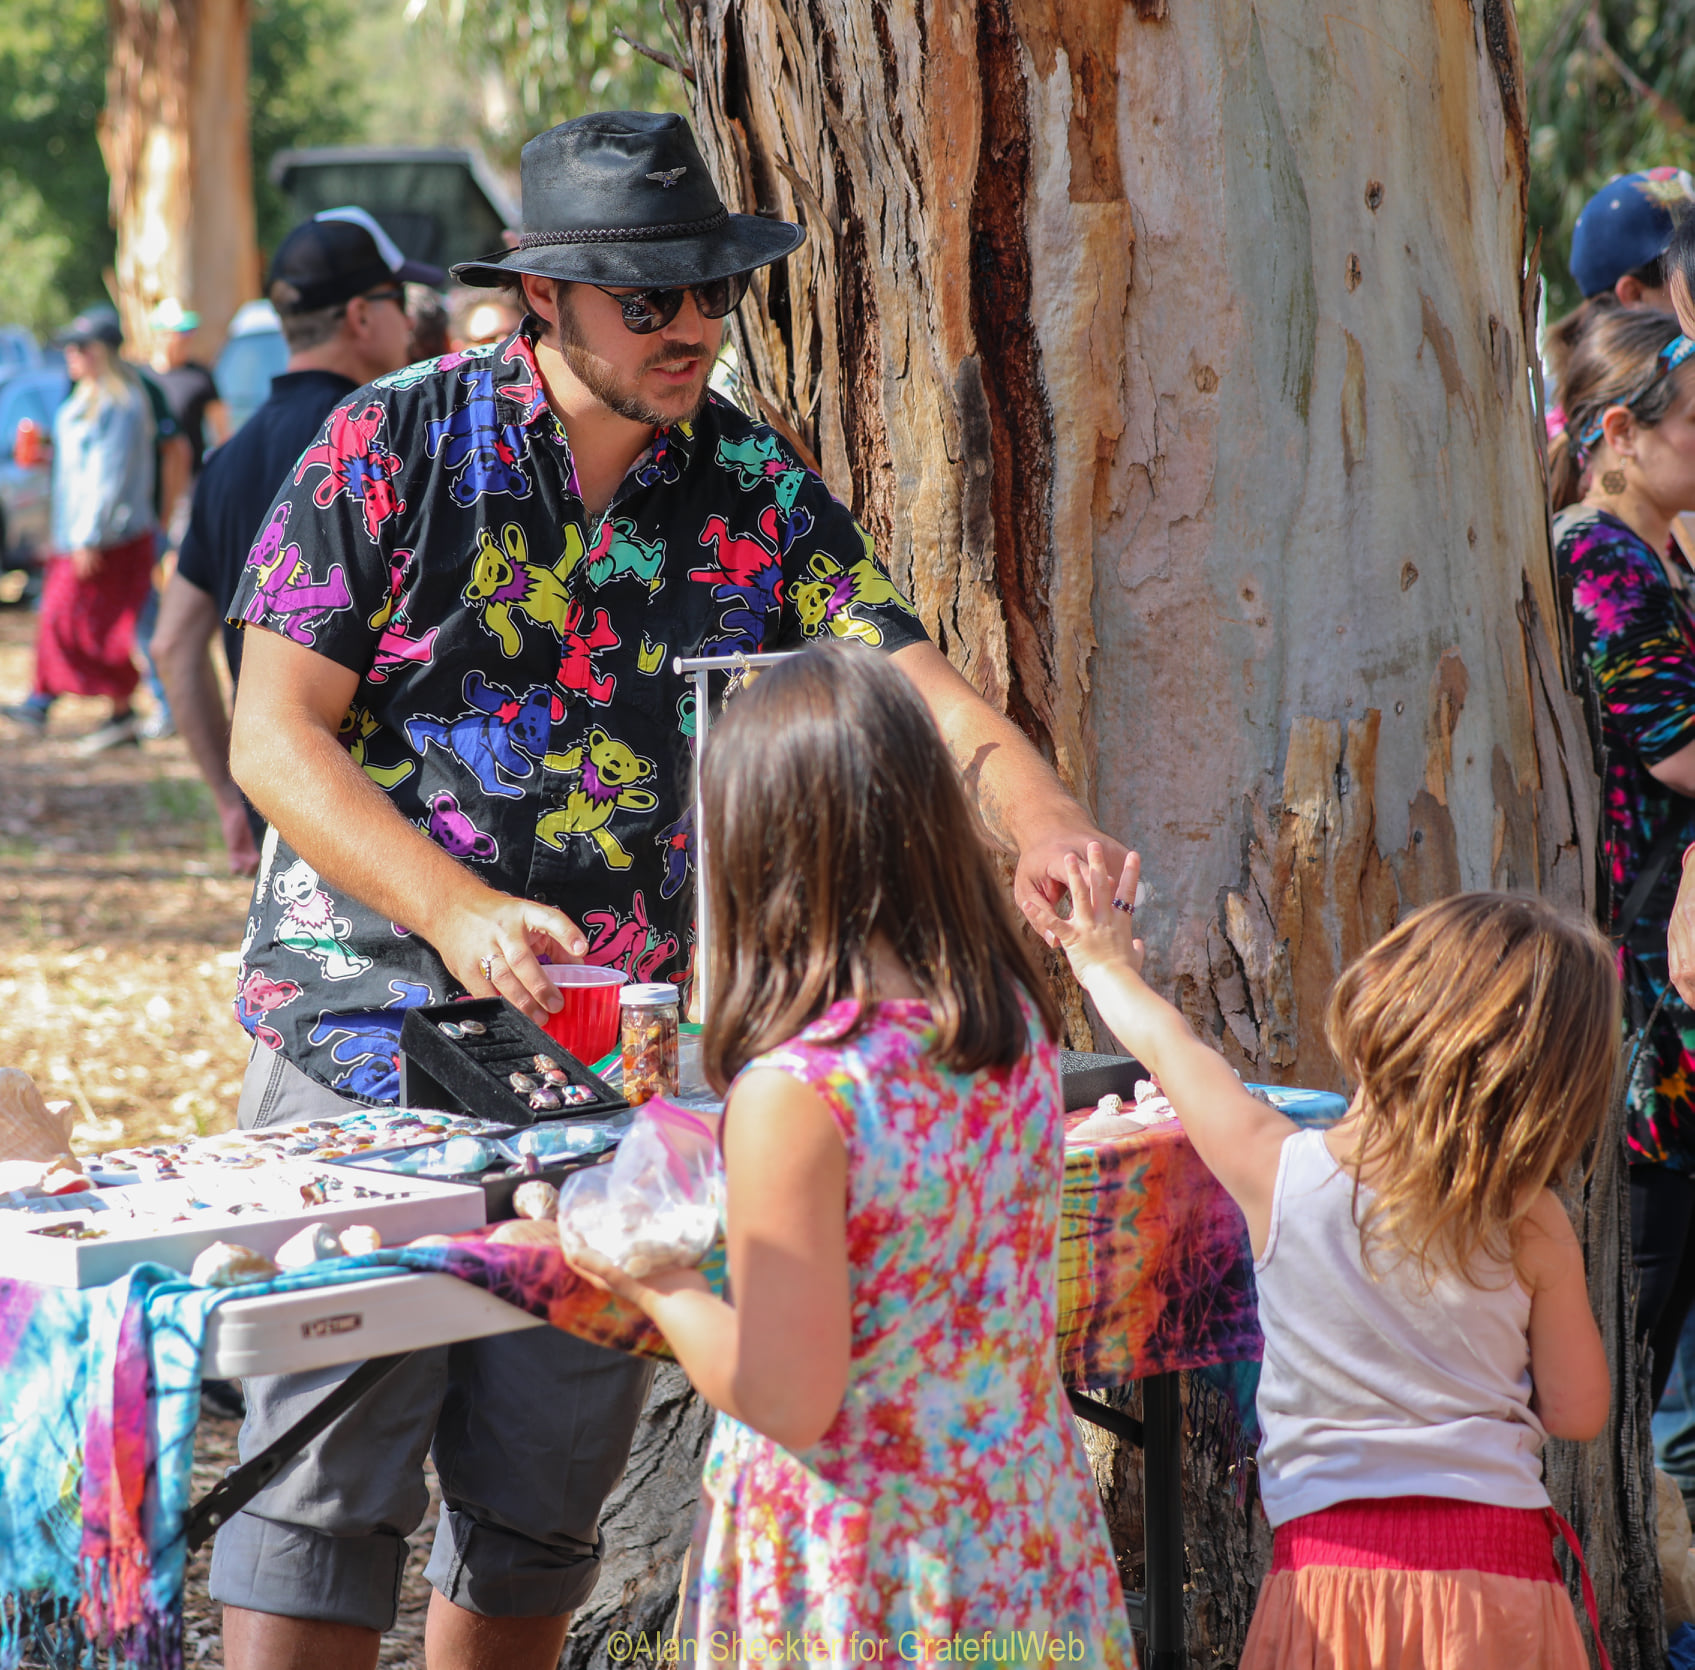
(530,1433)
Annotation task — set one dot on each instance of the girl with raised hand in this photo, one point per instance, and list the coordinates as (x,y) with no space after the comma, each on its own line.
(1421,1292)
(894,1466)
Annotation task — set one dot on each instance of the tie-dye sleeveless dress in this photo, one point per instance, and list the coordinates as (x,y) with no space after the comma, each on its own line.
(951,1497)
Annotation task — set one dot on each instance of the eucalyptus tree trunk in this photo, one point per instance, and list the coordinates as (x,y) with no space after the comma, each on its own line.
(1178,358)
(175,138)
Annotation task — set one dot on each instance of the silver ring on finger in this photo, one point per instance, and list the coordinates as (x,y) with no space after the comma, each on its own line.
(1124,905)
(486,964)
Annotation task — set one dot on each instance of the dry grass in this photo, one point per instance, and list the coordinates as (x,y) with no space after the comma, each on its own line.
(119,933)
(119,926)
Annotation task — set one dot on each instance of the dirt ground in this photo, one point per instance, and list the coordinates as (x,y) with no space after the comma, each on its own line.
(119,934)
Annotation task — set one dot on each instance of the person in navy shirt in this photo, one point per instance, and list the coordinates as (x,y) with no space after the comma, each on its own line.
(347,334)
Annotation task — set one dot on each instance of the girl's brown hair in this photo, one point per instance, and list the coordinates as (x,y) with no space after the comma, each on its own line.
(832,812)
(1482,1035)
(1615,356)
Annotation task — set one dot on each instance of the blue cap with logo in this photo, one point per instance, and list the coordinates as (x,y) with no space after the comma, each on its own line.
(1626,224)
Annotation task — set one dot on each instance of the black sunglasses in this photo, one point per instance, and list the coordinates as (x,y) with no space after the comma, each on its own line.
(646,311)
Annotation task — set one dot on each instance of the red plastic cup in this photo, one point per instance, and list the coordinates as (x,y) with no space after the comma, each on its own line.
(587,1024)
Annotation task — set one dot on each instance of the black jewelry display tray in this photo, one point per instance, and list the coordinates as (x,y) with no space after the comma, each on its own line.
(1084,1079)
(468,1075)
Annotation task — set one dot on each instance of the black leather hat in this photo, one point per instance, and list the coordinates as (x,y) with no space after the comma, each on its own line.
(623,198)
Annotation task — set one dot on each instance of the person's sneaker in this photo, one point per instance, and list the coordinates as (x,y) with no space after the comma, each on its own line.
(31,715)
(115,733)
(158,725)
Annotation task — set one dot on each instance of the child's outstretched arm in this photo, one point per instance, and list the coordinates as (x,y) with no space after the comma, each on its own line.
(777,1359)
(1239,1139)
(1572,1389)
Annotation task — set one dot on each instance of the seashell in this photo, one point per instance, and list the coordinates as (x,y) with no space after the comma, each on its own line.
(1102,1127)
(544,1063)
(472,1029)
(308,1246)
(535,1199)
(313,1194)
(523,1232)
(224,1264)
(357,1239)
(450,1029)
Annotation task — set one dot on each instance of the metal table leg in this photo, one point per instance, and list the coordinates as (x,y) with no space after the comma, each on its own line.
(1157,1613)
(1162,1521)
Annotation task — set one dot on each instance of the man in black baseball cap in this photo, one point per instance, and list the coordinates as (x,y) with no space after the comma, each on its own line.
(337,283)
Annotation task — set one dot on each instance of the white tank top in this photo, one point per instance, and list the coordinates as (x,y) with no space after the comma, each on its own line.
(1383,1384)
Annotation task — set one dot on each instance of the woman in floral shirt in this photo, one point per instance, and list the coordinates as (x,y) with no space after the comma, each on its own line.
(1623,468)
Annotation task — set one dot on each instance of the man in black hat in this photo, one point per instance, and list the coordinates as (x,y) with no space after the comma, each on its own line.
(461,718)
(336,283)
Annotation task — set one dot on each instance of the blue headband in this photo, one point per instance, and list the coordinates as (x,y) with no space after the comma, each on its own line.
(1666,361)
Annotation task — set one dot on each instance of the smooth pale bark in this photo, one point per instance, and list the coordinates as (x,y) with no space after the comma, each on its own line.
(175,138)
(1178,360)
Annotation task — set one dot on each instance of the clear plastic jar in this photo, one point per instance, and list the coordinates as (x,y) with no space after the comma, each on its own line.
(648,1027)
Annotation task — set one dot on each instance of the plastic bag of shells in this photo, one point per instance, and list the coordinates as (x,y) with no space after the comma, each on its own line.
(658,1204)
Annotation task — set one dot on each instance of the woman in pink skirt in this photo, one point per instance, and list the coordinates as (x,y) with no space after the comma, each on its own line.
(101,567)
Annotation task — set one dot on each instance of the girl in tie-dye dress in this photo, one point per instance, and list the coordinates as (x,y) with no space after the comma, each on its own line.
(894,1468)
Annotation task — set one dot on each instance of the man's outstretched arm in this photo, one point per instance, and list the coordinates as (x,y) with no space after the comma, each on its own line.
(1022,801)
(284,752)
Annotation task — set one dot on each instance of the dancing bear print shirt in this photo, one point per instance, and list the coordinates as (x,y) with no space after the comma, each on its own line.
(516,699)
(1633,625)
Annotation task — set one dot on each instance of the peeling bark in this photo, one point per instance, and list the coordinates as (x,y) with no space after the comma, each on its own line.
(175,138)
(1178,360)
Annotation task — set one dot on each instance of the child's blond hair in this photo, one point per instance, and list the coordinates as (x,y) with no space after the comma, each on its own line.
(1482,1036)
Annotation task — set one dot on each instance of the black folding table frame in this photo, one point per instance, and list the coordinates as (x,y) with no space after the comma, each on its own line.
(1157,1612)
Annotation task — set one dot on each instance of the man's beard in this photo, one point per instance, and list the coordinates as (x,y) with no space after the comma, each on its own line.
(602,381)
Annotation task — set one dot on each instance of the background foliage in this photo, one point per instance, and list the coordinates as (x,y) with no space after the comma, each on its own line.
(54,236)
(1612,89)
(555,59)
(324,72)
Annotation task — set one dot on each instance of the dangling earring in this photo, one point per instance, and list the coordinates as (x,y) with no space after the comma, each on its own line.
(1612,483)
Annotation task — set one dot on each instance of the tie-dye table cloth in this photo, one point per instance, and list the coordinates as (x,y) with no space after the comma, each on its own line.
(99,1389)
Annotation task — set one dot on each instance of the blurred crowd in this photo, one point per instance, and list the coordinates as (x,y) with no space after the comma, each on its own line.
(103,463)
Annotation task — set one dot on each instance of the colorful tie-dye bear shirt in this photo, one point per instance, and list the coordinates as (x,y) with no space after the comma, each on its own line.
(1634,627)
(516,699)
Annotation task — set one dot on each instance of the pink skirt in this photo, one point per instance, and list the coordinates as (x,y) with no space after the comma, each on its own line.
(1415,1583)
(84,645)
